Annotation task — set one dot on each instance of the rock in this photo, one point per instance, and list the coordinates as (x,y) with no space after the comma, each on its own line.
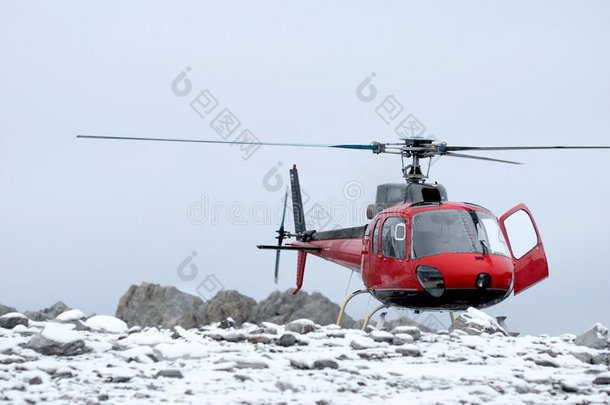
(35,381)
(602,379)
(409,350)
(251,364)
(152,305)
(320,364)
(48,313)
(406,321)
(588,357)
(475,322)
(227,323)
(6,309)
(264,339)
(57,341)
(299,364)
(170,373)
(287,340)
(414,331)
(284,386)
(401,339)
(70,316)
(234,337)
(362,343)
(381,336)
(595,338)
(301,326)
(283,307)
(12,319)
(226,304)
(106,324)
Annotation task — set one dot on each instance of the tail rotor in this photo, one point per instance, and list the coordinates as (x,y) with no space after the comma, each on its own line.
(280,238)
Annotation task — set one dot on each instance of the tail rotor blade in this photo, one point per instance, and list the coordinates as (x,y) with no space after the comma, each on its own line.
(277,266)
(280,239)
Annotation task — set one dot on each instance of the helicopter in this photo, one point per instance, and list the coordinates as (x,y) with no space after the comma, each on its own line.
(419,251)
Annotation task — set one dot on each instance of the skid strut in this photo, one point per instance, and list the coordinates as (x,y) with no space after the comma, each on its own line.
(352,295)
(368,318)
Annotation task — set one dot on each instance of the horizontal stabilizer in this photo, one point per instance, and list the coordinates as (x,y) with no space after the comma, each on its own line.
(301,248)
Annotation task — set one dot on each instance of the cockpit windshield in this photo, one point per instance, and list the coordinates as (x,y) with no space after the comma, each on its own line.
(456,231)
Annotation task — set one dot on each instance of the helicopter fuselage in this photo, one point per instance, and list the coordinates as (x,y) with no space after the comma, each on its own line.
(432,256)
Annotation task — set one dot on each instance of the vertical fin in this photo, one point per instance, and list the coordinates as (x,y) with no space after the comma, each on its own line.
(300,270)
(297,202)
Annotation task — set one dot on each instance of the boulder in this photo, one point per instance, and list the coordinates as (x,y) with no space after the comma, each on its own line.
(106,324)
(12,319)
(6,309)
(475,322)
(48,313)
(595,338)
(226,304)
(152,305)
(72,315)
(300,326)
(58,341)
(283,307)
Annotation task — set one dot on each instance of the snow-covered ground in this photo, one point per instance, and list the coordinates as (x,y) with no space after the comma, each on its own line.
(268,364)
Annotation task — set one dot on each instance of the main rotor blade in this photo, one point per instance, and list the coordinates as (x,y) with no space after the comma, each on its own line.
(308,145)
(460,148)
(481,158)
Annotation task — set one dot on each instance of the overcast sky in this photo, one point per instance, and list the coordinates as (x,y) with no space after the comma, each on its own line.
(81,220)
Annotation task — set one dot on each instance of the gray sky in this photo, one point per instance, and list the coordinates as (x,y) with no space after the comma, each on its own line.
(81,220)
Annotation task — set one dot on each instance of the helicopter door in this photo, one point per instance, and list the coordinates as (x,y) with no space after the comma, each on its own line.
(523,238)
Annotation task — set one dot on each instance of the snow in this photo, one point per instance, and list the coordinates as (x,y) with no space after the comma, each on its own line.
(61,334)
(433,368)
(13,315)
(105,323)
(70,315)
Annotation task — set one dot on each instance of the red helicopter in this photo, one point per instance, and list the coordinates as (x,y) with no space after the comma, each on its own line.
(421,251)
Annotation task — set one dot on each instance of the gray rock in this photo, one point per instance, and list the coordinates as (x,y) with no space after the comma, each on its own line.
(152,305)
(264,339)
(409,351)
(170,373)
(602,379)
(226,304)
(287,340)
(589,358)
(320,364)
(6,309)
(48,313)
(46,346)
(595,338)
(12,319)
(300,326)
(475,322)
(414,331)
(251,364)
(35,381)
(283,307)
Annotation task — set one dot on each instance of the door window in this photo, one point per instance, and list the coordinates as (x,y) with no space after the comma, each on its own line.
(394,238)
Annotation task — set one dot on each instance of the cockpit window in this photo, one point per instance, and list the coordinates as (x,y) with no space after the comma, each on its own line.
(394,238)
(456,231)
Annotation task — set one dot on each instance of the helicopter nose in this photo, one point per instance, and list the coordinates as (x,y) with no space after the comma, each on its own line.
(483,281)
